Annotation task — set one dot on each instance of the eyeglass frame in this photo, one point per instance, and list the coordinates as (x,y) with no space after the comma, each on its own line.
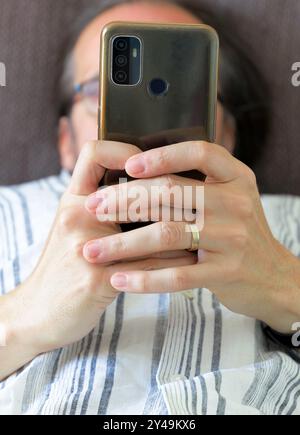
(78,94)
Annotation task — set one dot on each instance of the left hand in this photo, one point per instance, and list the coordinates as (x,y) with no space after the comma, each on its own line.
(239,259)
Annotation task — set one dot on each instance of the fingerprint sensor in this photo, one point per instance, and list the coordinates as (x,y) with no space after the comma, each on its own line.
(158,87)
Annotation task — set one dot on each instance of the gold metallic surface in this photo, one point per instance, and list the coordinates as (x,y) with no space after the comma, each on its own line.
(195,245)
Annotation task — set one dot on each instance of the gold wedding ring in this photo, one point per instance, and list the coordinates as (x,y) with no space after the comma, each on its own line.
(194,230)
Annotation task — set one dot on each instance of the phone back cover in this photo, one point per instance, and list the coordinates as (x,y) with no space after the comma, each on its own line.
(186,56)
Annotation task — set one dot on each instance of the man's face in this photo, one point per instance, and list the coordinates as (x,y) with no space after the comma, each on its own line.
(81,126)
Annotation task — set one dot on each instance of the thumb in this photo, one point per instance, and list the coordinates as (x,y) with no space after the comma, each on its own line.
(94,159)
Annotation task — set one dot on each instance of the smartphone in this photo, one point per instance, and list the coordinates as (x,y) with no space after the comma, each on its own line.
(158,86)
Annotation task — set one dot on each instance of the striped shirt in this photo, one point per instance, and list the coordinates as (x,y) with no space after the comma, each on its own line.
(163,354)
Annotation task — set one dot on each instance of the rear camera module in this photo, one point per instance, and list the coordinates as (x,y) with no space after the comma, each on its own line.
(126,66)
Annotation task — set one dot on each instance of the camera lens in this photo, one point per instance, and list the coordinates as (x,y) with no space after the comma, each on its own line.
(120,76)
(121,60)
(121,44)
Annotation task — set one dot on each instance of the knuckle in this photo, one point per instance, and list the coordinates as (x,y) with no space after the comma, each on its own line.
(245,207)
(239,238)
(162,158)
(88,284)
(77,247)
(118,244)
(179,279)
(169,234)
(144,281)
(201,150)
(249,175)
(228,201)
(240,204)
(88,149)
(202,145)
(66,219)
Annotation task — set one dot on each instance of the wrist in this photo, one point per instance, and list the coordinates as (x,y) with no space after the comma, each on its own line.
(15,348)
(286,295)
(17,325)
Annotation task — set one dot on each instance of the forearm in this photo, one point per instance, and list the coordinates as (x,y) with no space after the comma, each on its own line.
(15,341)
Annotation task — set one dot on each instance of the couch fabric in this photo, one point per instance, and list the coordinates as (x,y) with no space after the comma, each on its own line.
(31,36)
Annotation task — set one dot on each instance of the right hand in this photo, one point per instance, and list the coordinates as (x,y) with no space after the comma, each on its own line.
(65,296)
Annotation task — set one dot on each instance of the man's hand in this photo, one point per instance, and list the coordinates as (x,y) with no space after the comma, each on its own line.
(239,259)
(65,296)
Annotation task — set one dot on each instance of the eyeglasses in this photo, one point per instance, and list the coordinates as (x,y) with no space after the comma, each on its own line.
(88,93)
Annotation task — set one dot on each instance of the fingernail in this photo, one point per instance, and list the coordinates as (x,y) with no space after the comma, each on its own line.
(119,281)
(93,202)
(135,165)
(92,250)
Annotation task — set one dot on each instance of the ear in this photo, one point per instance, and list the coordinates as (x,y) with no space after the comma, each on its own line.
(66,146)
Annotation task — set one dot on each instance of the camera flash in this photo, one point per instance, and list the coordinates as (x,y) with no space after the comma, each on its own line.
(135,53)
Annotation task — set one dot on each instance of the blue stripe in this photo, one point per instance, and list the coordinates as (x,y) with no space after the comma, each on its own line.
(294,405)
(16,262)
(55,358)
(112,356)
(221,400)
(202,331)
(194,397)
(6,231)
(217,335)
(258,347)
(191,341)
(26,216)
(185,335)
(64,179)
(78,355)
(268,385)
(2,282)
(216,358)
(159,336)
(56,193)
(84,361)
(265,378)
(88,393)
(170,333)
(2,384)
(162,407)
(204,395)
(288,390)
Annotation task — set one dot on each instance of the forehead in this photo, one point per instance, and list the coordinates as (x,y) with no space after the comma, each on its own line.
(86,53)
